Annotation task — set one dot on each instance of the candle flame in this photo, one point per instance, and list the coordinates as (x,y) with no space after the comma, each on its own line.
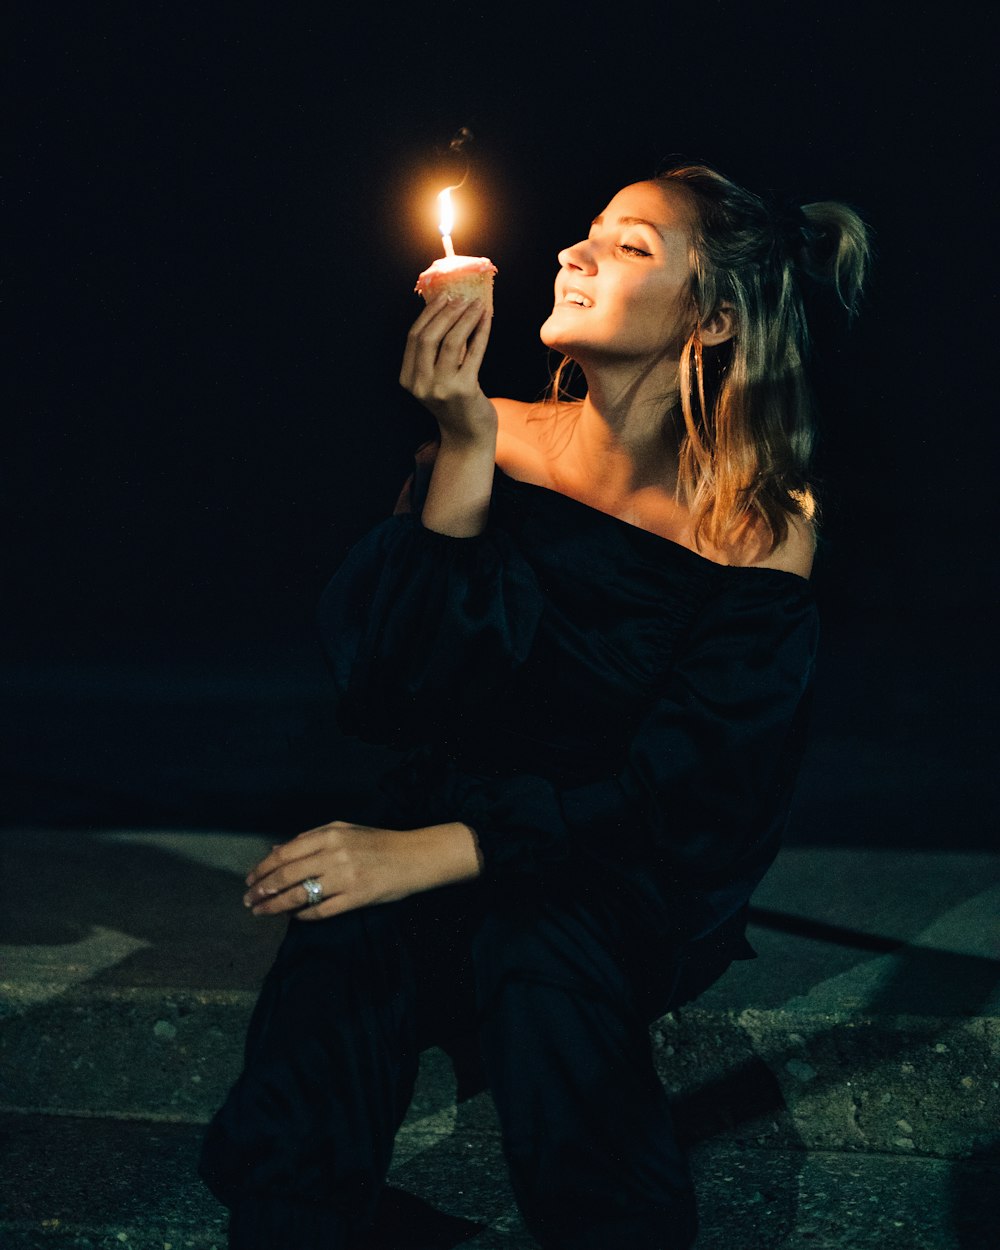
(446,220)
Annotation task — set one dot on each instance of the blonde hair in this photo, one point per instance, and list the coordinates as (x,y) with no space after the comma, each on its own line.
(746,406)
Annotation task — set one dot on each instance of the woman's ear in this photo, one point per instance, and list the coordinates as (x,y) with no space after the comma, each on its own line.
(720,327)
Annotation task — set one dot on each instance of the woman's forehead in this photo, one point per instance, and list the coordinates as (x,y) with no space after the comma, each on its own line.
(649,201)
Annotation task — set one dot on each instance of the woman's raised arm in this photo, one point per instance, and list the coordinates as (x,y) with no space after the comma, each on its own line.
(444,351)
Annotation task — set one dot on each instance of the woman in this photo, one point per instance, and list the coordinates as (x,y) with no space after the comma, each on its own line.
(590,625)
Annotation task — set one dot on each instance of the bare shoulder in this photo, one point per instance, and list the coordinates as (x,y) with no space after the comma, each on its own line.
(796,553)
(518,451)
(513,415)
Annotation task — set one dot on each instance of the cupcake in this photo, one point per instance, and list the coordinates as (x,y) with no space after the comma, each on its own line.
(460,277)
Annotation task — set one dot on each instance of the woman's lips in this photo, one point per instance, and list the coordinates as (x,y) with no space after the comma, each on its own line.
(576,299)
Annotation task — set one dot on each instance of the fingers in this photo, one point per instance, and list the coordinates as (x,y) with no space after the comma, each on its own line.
(282,889)
(333,906)
(283,855)
(289,852)
(440,340)
(440,316)
(476,348)
(425,324)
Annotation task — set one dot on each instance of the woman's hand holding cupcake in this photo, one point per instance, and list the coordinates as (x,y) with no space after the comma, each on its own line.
(444,351)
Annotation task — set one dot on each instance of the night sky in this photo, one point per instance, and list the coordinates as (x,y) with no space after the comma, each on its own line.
(219,213)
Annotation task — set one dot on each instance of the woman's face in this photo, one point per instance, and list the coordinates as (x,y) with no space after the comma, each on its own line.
(623,292)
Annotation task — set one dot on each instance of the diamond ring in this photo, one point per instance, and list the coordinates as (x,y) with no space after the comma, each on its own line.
(314,891)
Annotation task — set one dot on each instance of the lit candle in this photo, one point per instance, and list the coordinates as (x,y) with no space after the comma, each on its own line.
(460,277)
(446,221)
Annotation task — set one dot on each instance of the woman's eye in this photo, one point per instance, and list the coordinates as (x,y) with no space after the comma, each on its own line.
(631,250)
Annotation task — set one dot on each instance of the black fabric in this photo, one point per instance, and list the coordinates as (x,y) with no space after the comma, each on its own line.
(589,697)
(559,992)
(619,720)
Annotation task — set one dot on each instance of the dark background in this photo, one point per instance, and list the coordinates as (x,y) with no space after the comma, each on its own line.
(218,216)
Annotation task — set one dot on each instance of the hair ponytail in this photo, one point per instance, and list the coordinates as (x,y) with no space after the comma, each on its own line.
(836,250)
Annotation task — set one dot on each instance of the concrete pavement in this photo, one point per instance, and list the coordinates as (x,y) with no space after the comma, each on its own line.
(851,1100)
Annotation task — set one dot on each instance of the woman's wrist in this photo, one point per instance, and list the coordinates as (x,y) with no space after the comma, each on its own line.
(447,854)
(461,485)
(470,426)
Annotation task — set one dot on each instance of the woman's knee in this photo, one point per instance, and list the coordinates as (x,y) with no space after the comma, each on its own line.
(553,943)
(330,978)
(344,938)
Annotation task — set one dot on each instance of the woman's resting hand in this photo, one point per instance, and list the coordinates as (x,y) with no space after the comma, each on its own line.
(444,350)
(358,865)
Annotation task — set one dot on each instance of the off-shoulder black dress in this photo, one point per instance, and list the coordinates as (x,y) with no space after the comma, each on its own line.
(620,720)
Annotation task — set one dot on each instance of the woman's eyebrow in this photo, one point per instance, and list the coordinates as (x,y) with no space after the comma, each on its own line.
(631,221)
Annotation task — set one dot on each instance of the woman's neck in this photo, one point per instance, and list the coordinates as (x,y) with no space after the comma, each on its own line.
(623,440)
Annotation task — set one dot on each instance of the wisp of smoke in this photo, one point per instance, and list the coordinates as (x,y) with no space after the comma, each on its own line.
(462,139)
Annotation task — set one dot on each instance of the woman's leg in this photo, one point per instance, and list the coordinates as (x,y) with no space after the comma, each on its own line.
(586,1126)
(300,1149)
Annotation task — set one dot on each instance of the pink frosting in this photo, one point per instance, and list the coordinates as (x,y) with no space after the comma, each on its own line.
(447,268)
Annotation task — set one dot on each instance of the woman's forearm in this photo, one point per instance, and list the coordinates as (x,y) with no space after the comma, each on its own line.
(461,485)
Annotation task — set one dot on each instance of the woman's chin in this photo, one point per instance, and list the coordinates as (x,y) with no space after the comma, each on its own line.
(553,334)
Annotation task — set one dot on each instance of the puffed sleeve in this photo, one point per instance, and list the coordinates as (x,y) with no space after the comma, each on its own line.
(419,625)
(702,790)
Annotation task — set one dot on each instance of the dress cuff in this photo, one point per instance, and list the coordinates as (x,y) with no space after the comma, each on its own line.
(517,823)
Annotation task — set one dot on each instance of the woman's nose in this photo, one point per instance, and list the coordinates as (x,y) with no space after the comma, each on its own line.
(579,256)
